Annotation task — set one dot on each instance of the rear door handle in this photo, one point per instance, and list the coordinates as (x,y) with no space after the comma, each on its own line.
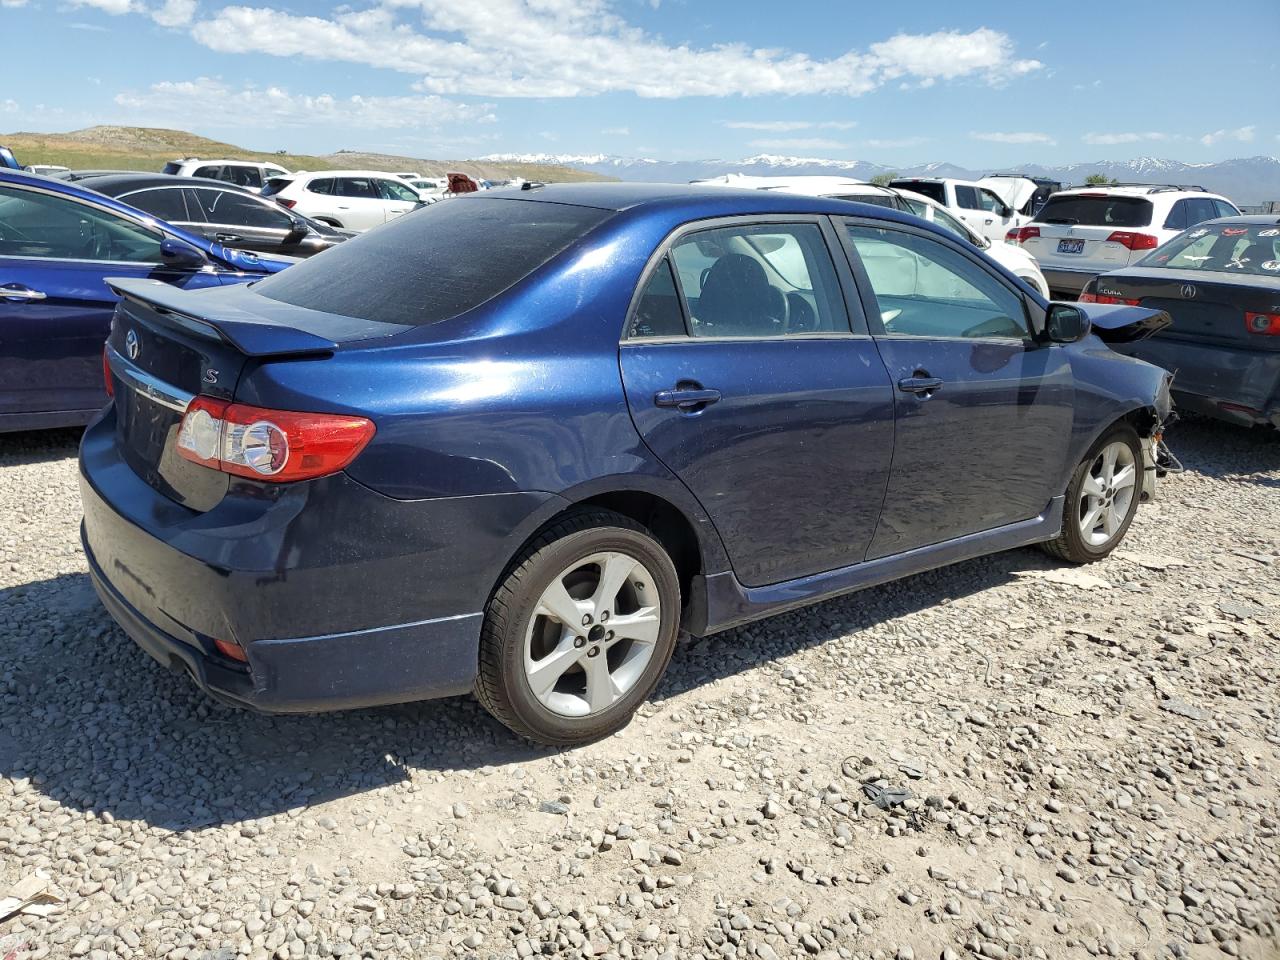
(920,385)
(228,237)
(16,291)
(690,399)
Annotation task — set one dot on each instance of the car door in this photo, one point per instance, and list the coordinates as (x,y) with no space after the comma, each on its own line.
(357,203)
(398,197)
(982,410)
(55,309)
(749,378)
(243,221)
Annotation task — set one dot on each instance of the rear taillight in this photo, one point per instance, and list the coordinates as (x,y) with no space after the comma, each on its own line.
(1107,298)
(106,372)
(1267,324)
(275,445)
(1134,241)
(1019,234)
(290,204)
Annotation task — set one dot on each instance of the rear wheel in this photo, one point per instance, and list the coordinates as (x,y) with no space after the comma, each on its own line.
(580,630)
(1101,499)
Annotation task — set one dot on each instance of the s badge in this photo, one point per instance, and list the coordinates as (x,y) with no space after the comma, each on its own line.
(211,375)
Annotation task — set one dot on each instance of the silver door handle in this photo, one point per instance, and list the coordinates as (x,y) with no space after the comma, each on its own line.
(21,293)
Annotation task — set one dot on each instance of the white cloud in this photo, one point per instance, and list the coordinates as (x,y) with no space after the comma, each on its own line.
(565,48)
(171,101)
(788,126)
(114,7)
(1111,139)
(616,131)
(8,106)
(1019,137)
(799,143)
(898,143)
(174,13)
(1242,134)
(13,3)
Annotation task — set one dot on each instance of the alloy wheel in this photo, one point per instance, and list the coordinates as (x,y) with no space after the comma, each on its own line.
(1107,493)
(592,634)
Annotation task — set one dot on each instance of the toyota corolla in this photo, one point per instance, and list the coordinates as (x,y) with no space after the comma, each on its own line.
(514,443)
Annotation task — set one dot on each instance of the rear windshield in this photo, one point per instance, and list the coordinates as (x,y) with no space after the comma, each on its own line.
(275,185)
(879,199)
(1252,248)
(1079,210)
(934,191)
(435,262)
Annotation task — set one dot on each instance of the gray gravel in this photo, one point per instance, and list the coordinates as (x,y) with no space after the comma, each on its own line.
(1093,765)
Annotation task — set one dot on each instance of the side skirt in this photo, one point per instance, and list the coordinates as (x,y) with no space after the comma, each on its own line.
(719,602)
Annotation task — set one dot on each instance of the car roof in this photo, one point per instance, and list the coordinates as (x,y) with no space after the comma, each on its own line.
(247,163)
(1144,191)
(311,174)
(813,185)
(114,184)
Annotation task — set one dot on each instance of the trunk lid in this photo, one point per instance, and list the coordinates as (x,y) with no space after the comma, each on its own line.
(168,345)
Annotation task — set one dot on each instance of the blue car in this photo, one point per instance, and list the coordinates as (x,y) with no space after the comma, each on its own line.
(58,243)
(515,442)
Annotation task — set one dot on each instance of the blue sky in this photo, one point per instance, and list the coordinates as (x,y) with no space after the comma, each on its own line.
(976,83)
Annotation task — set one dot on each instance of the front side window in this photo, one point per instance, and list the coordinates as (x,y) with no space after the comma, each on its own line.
(658,312)
(34,224)
(1225,209)
(209,173)
(243,176)
(167,203)
(391,190)
(991,202)
(355,187)
(228,208)
(926,289)
(766,280)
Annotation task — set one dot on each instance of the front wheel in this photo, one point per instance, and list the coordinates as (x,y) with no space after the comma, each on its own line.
(580,630)
(1101,499)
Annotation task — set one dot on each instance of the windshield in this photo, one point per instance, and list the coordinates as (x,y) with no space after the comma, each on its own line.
(1252,248)
(1095,210)
(436,263)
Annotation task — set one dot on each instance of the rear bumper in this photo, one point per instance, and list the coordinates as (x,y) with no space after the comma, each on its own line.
(1237,385)
(340,597)
(1068,280)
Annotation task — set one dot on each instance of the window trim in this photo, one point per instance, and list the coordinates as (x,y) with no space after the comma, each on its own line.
(871,306)
(845,282)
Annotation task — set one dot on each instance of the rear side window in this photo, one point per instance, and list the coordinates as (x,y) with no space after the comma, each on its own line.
(435,263)
(1177,219)
(357,187)
(1096,211)
(167,203)
(324,186)
(967,198)
(173,169)
(934,191)
(212,173)
(276,185)
(658,312)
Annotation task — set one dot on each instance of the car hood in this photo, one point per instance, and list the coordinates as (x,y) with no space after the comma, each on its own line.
(1015,191)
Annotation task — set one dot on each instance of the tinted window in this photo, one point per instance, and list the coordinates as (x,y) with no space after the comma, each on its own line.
(1177,219)
(926,289)
(658,312)
(442,261)
(172,168)
(167,203)
(879,199)
(244,176)
(769,280)
(36,224)
(934,191)
(967,198)
(357,187)
(324,186)
(229,208)
(1200,209)
(275,185)
(212,173)
(1225,209)
(392,190)
(1096,211)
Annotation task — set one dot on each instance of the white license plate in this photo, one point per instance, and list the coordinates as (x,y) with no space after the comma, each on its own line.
(1071,246)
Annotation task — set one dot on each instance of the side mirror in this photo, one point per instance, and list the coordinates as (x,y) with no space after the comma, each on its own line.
(297,230)
(1065,324)
(179,253)
(981,242)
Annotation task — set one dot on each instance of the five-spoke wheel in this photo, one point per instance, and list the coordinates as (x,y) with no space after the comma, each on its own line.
(1102,498)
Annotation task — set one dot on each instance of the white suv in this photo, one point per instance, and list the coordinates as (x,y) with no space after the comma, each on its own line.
(1018,262)
(1079,234)
(243,173)
(984,207)
(348,199)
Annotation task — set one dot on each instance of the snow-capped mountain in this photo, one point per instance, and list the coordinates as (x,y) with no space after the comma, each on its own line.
(1248,180)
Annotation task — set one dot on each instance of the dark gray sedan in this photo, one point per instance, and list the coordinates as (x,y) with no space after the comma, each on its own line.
(1220,282)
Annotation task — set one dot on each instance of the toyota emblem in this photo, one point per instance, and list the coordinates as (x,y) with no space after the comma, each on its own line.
(1188,291)
(131,346)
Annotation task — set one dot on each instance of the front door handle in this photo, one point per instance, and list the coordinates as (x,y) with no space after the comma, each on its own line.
(16,291)
(228,237)
(689,398)
(920,385)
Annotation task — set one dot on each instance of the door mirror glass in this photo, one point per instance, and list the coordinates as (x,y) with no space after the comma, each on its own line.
(1065,323)
(179,253)
(297,230)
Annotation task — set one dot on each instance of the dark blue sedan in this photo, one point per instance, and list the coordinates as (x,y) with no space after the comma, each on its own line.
(58,242)
(515,442)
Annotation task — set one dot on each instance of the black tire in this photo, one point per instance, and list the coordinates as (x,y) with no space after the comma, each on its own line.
(1070,545)
(501,682)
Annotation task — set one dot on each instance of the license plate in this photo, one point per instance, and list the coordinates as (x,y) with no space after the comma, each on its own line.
(1071,246)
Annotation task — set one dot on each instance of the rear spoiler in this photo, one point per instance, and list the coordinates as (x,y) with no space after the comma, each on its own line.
(251,334)
(1119,323)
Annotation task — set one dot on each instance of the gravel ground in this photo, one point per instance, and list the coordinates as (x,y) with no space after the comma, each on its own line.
(1093,757)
